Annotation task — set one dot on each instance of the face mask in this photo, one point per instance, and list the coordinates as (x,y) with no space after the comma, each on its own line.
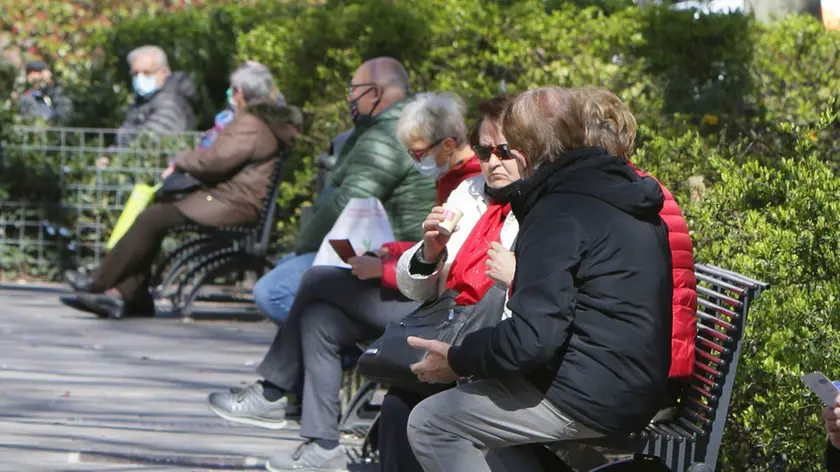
(144,84)
(357,116)
(427,167)
(504,194)
(231,102)
(38,84)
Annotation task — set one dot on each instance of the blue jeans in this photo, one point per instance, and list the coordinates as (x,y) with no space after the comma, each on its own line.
(275,291)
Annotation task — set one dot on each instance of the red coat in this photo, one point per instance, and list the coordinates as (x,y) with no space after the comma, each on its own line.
(447,183)
(685,287)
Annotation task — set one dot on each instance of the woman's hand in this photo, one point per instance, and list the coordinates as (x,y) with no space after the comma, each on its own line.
(366,267)
(433,241)
(501,264)
(168,171)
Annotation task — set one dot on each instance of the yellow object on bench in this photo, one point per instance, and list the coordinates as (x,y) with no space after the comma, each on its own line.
(141,196)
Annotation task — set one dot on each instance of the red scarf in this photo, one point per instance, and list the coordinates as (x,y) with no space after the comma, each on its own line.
(467,272)
(454,176)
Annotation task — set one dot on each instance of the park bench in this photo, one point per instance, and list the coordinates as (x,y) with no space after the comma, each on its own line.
(214,252)
(690,442)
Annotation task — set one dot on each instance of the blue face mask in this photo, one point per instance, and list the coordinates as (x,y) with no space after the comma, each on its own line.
(427,167)
(144,84)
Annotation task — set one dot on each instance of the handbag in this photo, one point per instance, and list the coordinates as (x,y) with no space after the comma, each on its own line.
(177,186)
(388,360)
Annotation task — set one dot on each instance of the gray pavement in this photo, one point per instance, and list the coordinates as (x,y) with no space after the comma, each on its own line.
(80,393)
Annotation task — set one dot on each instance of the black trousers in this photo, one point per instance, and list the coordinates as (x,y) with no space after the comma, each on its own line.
(395,454)
(128,266)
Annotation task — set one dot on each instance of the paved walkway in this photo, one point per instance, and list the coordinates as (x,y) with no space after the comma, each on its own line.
(79,393)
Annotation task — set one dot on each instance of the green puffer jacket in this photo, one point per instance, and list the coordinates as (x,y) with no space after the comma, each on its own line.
(373,163)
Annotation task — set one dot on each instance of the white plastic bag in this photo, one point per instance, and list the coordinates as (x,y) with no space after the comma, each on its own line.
(364,222)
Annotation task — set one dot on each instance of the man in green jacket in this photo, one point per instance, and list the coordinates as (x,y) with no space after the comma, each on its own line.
(372,163)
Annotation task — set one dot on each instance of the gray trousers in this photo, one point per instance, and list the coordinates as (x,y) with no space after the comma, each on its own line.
(332,310)
(451,431)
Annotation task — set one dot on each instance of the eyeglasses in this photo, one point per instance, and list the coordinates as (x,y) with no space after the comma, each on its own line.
(502,151)
(417,155)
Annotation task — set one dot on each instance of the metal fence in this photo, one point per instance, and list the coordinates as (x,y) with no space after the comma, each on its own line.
(62,190)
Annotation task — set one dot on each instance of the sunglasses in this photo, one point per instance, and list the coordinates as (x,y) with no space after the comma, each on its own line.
(502,151)
(417,155)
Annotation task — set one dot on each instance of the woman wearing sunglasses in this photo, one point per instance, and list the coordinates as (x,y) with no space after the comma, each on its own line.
(470,261)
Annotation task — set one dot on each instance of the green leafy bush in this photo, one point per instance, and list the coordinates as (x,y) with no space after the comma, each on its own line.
(778,223)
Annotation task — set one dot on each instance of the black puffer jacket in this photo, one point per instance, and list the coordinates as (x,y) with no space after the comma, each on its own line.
(591,303)
(167,111)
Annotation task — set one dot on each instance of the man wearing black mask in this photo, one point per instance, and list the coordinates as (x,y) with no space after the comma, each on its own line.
(373,163)
(43,98)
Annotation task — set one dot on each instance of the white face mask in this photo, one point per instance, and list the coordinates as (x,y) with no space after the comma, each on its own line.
(427,167)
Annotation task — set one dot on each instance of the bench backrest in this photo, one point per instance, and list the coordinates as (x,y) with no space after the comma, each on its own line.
(269,209)
(694,436)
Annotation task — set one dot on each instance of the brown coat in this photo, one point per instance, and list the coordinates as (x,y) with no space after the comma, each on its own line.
(233,190)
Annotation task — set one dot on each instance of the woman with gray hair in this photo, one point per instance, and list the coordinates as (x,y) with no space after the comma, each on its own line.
(234,174)
(336,308)
(432,129)
(252,77)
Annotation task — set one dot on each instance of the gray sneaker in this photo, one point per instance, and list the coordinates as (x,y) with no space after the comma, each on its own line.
(249,406)
(309,457)
(294,409)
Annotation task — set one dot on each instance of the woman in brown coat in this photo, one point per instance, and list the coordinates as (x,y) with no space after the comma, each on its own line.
(234,173)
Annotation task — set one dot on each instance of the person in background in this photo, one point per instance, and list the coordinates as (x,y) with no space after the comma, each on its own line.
(611,125)
(336,308)
(44,98)
(164,100)
(235,172)
(226,116)
(373,163)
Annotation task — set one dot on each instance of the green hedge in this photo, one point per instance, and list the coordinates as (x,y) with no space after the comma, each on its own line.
(743,107)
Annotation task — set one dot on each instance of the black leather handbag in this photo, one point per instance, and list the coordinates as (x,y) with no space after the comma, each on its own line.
(388,360)
(177,186)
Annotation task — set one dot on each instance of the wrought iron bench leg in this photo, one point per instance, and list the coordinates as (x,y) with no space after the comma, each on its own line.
(210,266)
(352,420)
(168,271)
